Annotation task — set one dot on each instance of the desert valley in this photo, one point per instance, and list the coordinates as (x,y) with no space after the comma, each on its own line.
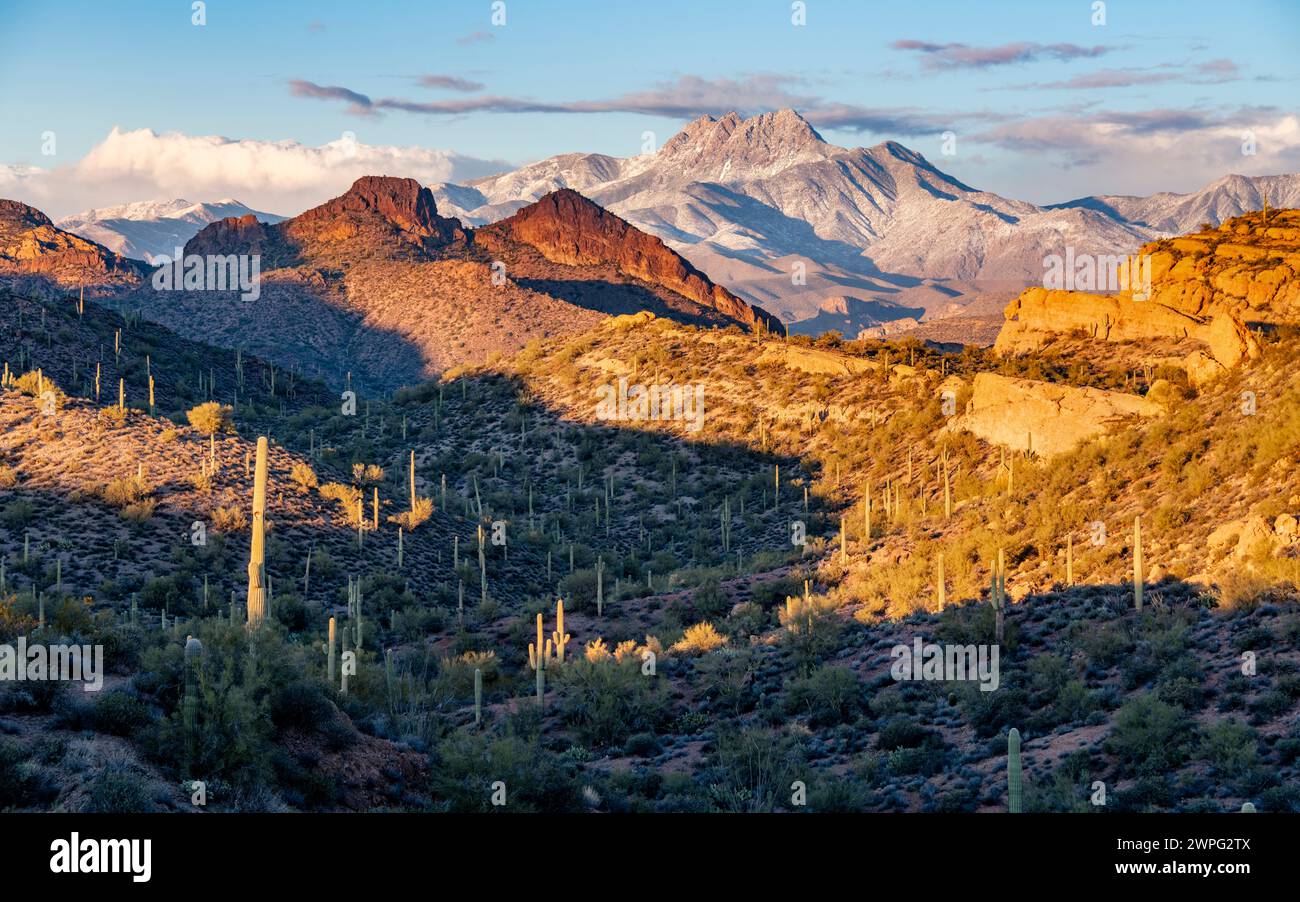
(750,473)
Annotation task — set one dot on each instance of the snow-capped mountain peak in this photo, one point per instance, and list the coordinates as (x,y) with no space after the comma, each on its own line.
(147,230)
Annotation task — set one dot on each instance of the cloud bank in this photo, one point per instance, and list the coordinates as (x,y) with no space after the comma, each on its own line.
(283,177)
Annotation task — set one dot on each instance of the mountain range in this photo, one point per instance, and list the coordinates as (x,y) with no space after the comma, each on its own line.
(377,289)
(748,200)
(865,241)
(148,230)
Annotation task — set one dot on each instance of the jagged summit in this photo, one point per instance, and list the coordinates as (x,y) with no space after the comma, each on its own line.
(404,203)
(763,141)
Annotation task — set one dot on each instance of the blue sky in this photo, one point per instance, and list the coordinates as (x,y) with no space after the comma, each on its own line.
(1045,105)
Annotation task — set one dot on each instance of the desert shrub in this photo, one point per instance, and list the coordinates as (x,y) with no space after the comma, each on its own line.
(726,678)
(458,673)
(367,474)
(699,639)
(229,518)
(8,476)
(174,593)
(812,628)
(1151,736)
(42,388)
(15,782)
(412,517)
(292,612)
(466,765)
(1230,746)
(17,513)
(303,476)
(346,495)
(709,600)
(607,701)
(829,695)
(579,589)
(118,713)
(754,766)
(126,491)
(210,418)
(117,789)
(139,511)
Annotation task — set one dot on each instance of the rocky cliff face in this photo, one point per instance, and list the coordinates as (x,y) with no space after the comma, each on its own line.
(1035,318)
(567,228)
(37,256)
(1209,287)
(401,204)
(1249,266)
(378,218)
(377,284)
(1042,417)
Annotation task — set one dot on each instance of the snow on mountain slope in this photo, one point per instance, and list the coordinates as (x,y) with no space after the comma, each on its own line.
(767,207)
(147,230)
(1177,214)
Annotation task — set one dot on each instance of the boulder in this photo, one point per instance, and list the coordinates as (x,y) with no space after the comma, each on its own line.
(1039,315)
(1256,537)
(1043,417)
(1286,527)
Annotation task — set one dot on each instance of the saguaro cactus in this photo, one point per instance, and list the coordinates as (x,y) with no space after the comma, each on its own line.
(537,655)
(943,586)
(1014,783)
(190,705)
(257,553)
(478,696)
(600,583)
(412,487)
(330,653)
(1069,559)
(998,596)
(1137,563)
(559,636)
(482,567)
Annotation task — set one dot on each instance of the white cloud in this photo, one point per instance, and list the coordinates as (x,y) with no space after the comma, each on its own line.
(283,177)
(1064,157)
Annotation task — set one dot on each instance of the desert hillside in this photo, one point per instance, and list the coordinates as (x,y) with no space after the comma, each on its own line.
(705,661)
(377,288)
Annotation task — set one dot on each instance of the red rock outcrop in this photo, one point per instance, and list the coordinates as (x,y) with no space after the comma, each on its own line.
(37,256)
(567,228)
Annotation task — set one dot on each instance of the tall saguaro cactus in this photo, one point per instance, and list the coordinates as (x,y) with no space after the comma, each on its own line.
(330,653)
(559,637)
(190,705)
(1015,787)
(943,585)
(1137,563)
(998,597)
(257,552)
(537,655)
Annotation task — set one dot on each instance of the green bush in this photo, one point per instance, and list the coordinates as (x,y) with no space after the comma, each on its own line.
(1151,736)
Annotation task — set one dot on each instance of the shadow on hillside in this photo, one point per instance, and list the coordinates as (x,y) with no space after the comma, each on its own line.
(293,324)
(619,298)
